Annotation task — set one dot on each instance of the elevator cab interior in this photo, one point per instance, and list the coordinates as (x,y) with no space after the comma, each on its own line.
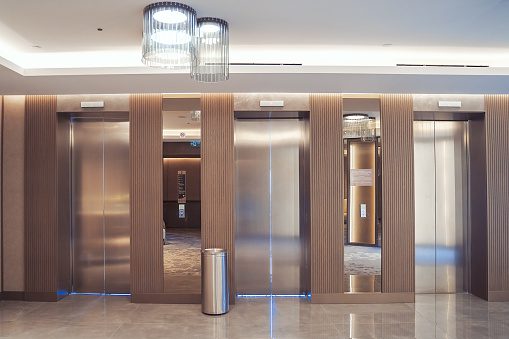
(181,224)
(362,241)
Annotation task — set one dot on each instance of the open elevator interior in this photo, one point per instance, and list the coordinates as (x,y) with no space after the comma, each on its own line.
(181,222)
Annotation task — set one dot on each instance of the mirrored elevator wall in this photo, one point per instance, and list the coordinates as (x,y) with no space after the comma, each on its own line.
(442,230)
(272,205)
(100,232)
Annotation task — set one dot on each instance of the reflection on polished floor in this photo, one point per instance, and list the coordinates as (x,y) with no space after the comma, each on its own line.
(182,268)
(432,316)
(363,269)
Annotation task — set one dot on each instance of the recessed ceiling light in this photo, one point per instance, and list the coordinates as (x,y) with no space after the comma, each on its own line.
(36,46)
(386,45)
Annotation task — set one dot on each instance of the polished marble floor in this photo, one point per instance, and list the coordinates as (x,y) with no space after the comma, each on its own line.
(432,316)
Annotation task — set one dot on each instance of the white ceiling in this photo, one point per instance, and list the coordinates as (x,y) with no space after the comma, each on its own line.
(63,26)
(340,39)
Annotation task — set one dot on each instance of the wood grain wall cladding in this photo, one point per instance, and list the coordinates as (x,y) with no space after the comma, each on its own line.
(217,176)
(146,154)
(497,168)
(41,236)
(326,186)
(396,124)
(1,190)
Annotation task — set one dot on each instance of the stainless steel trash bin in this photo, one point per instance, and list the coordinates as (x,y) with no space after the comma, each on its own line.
(214,281)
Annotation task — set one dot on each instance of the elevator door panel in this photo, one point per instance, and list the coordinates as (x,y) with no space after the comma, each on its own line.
(88,206)
(116,206)
(269,251)
(252,155)
(440,169)
(100,205)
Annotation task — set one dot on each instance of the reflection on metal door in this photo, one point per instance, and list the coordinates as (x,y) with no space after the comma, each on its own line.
(271,239)
(441,222)
(100,205)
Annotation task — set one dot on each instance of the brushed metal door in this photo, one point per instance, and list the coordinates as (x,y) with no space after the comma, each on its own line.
(117,230)
(269,251)
(100,205)
(87,206)
(252,161)
(440,165)
(451,205)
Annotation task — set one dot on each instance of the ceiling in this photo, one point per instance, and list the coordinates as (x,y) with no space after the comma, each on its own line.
(332,39)
(320,32)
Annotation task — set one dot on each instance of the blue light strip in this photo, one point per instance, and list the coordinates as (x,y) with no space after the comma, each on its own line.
(102,294)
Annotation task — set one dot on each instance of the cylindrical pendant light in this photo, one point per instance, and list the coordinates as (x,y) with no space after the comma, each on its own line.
(212,60)
(168,35)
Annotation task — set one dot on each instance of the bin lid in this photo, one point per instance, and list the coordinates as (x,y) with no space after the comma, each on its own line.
(214,251)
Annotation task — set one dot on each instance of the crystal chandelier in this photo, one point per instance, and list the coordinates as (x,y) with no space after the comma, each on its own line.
(173,38)
(212,51)
(168,35)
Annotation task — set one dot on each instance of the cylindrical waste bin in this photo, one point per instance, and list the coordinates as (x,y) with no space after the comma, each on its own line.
(214,281)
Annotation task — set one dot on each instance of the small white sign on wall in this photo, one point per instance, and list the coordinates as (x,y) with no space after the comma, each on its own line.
(361,177)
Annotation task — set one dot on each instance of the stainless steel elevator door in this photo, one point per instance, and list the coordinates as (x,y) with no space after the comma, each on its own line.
(441,211)
(100,205)
(269,252)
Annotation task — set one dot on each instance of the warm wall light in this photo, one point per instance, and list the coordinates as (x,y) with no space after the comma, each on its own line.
(168,35)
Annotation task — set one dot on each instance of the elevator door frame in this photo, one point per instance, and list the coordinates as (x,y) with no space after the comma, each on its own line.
(466,118)
(107,288)
(303,200)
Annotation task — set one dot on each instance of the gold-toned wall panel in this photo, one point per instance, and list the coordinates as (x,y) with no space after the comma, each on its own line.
(13,169)
(497,169)
(326,186)
(146,154)
(40,197)
(217,176)
(396,128)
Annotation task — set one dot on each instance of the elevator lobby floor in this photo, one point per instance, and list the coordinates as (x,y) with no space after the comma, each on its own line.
(432,316)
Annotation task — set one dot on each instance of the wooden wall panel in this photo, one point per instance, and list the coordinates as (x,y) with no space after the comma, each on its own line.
(326,186)
(398,263)
(217,176)
(146,154)
(1,190)
(13,169)
(497,170)
(40,198)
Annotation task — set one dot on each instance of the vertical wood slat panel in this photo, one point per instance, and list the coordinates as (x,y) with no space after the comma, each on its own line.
(398,263)
(326,186)
(146,154)
(497,170)
(40,195)
(217,176)
(1,190)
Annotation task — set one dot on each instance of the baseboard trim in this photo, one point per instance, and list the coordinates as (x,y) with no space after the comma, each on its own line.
(363,298)
(13,295)
(498,296)
(166,298)
(41,296)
